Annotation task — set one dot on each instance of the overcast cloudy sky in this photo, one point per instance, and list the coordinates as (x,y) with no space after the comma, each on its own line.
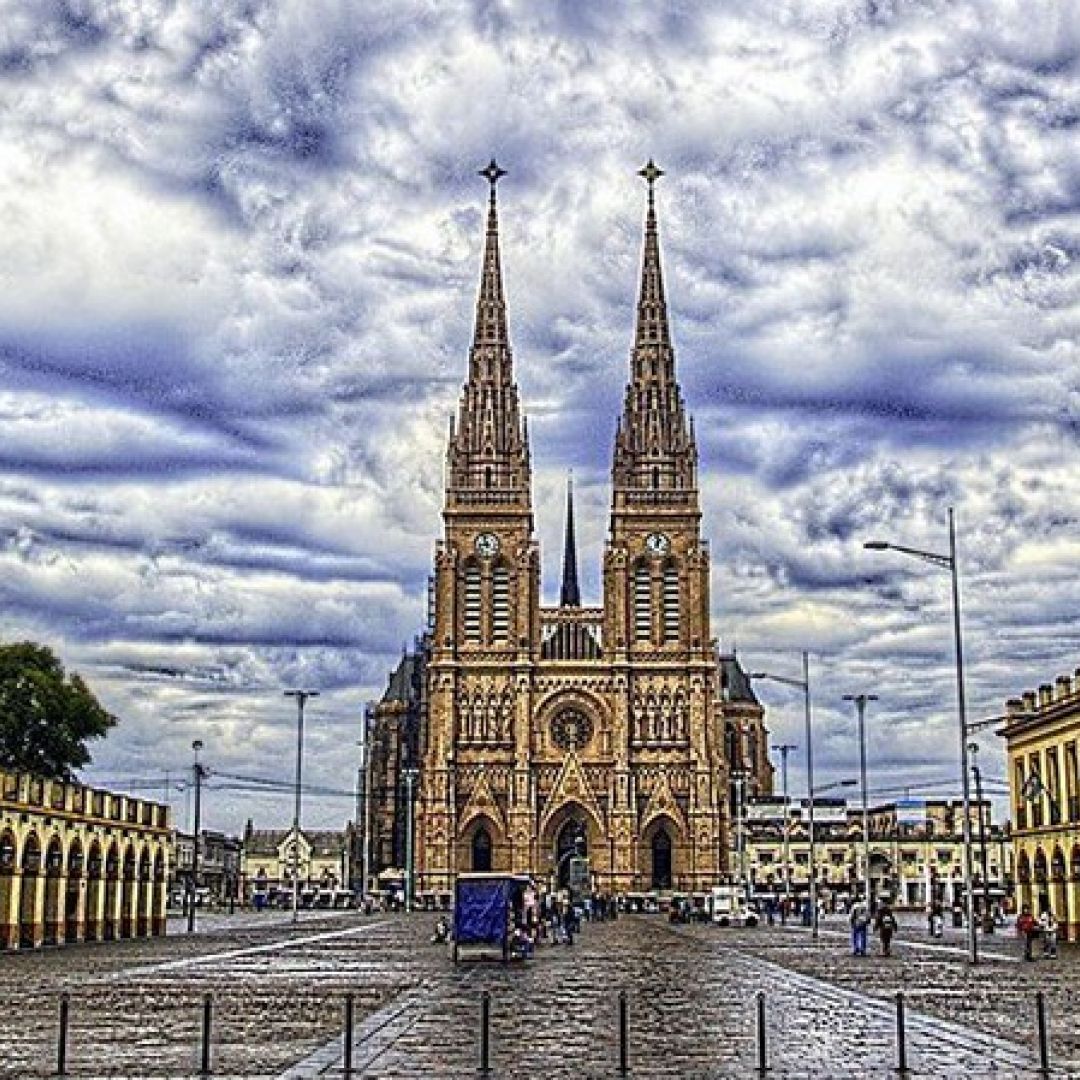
(239,246)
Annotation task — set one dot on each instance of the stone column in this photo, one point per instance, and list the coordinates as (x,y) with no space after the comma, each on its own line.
(10,896)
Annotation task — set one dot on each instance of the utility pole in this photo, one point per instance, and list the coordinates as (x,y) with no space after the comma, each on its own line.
(197,774)
(860,708)
(301,699)
(783,750)
(411,774)
(363,812)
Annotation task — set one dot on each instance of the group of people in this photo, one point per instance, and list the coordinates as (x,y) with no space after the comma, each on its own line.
(861,919)
(1032,930)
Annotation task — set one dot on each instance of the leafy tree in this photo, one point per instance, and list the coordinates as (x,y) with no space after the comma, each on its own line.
(46,716)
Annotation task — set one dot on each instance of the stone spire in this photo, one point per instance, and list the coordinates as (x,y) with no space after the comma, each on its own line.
(654,443)
(488,454)
(570,596)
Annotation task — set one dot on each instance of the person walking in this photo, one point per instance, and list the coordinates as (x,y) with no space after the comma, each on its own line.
(1048,929)
(1028,929)
(860,924)
(885,924)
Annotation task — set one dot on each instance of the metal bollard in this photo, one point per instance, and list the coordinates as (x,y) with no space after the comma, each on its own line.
(762,1049)
(901,1036)
(1044,1039)
(62,1037)
(207,1021)
(347,1064)
(485,1031)
(624,1036)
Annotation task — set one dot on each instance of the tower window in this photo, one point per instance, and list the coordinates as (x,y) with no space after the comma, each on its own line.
(656,477)
(487,477)
(500,603)
(671,603)
(642,603)
(472,602)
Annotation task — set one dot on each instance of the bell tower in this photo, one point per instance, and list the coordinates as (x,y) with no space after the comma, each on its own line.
(656,570)
(487,588)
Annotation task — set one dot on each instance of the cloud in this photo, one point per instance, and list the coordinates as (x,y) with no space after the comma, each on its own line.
(239,247)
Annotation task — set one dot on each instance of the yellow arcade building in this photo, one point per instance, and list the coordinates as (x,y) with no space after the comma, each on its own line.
(79,864)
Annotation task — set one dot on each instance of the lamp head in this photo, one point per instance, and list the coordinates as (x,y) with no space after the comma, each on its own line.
(877,545)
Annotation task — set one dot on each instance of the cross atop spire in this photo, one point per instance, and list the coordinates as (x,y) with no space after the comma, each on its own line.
(493,174)
(650,173)
(570,596)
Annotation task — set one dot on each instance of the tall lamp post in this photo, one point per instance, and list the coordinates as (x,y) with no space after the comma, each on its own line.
(783,750)
(197,774)
(804,685)
(987,915)
(949,562)
(860,709)
(740,776)
(302,697)
(411,774)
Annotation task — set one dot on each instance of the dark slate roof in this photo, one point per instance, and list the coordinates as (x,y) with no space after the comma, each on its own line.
(401,687)
(734,682)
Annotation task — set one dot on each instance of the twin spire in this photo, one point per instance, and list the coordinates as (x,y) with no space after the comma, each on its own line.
(488,462)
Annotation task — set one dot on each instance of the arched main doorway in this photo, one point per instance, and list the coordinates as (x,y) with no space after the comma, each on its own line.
(662,861)
(481,850)
(571,841)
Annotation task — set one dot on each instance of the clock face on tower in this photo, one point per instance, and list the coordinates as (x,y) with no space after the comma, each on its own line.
(658,543)
(487,545)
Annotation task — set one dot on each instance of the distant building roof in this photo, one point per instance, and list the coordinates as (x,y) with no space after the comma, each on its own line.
(267,841)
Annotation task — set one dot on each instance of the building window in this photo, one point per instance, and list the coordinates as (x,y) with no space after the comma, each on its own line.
(1021,805)
(481,850)
(500,603)
(642,603)
(1053,785)
(1072,783)
(472,602)
(671,603)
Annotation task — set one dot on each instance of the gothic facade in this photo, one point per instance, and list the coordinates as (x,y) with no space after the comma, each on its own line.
(605,732)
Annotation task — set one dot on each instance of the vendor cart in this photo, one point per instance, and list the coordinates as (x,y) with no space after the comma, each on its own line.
(485,907)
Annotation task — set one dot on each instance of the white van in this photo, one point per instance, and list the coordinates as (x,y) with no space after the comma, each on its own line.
(728,906)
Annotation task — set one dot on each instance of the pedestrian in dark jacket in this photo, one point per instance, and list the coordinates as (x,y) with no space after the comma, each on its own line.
(885,924)
(1028,929)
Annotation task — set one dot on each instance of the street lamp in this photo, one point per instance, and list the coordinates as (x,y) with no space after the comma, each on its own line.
(411,774)
(197,773)
(987,915)
(804,685)
(949,562)
(740,776)
(783,750)
(301,700)
(860,708)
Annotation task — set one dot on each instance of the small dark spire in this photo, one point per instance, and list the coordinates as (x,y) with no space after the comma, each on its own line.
(571,593)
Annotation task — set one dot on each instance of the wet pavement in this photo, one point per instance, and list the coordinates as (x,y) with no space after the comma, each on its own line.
(691,990)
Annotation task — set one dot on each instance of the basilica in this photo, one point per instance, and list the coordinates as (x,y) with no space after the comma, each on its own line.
(523,737)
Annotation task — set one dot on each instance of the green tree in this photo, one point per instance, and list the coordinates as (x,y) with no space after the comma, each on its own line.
(46,716)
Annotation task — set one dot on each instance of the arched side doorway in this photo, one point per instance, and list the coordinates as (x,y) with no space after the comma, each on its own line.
(8,882)
(144,895)
(659,862)
(73,917)
(128,894)
(157,910)
(482,846)
(112,894)
(54,888)
(93,923)
(30,928)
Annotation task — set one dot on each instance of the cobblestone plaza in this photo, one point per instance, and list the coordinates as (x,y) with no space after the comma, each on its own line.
(279,990)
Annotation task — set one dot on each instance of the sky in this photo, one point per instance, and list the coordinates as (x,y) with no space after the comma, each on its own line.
(239,253)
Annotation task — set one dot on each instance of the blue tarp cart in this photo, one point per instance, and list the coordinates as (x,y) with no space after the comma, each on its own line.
(484,909)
